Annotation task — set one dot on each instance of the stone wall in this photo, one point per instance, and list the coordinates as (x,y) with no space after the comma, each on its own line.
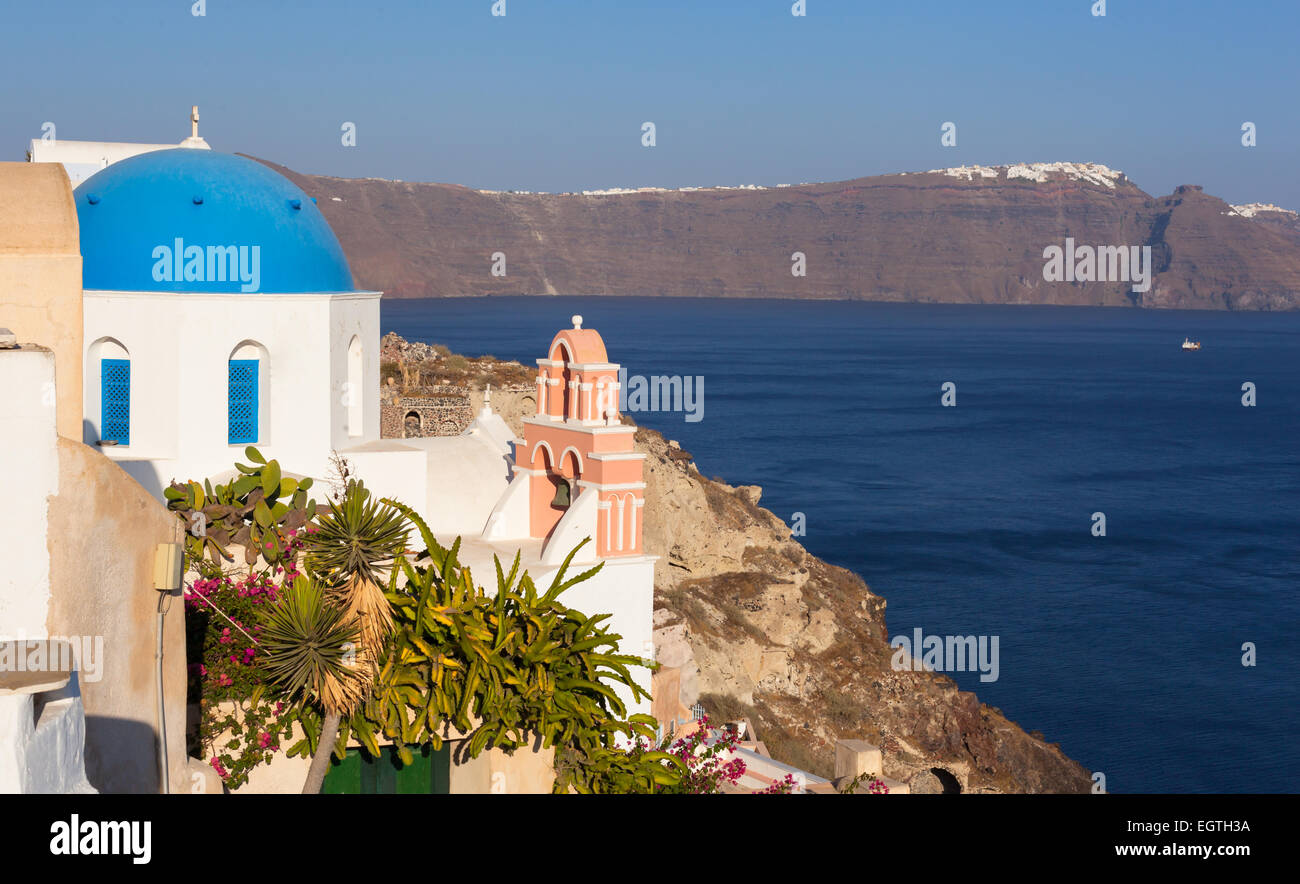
(407,417)
(450,413)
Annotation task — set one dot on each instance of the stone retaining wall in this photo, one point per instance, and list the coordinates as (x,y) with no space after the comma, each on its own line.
(415,417)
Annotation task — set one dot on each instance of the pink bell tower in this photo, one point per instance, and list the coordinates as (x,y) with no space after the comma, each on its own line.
(576,446)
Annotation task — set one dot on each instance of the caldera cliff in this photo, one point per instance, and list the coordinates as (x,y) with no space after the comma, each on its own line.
(967,235)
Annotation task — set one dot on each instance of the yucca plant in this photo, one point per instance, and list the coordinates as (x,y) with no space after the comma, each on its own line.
(359,536)
(348,554)
(308,646)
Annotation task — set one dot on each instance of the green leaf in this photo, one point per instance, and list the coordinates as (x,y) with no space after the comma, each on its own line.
(271,478)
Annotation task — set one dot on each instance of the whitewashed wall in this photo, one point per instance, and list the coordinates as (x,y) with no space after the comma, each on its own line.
(45,754)
(179,346)
(624,587)
(29,475)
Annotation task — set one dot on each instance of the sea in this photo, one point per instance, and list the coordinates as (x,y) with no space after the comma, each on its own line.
(1121,513)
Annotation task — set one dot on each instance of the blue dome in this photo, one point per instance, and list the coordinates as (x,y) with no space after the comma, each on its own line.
(190,220)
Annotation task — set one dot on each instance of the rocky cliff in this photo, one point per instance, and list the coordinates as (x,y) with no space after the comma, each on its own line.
(964,235)
(761,628)
(801,646)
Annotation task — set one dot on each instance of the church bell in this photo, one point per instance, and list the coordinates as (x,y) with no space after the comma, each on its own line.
(561,494)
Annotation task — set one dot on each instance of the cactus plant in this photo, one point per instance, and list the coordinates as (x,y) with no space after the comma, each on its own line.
(261,511)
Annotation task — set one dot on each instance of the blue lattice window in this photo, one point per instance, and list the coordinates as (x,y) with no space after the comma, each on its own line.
(115,401)
(243,401)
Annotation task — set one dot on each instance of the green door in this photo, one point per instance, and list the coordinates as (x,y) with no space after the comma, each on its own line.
(362,774)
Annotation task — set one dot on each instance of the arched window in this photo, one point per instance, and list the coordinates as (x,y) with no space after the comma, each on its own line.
(356,393)
(115,401)
(248,374)
(244,400)
(106,385)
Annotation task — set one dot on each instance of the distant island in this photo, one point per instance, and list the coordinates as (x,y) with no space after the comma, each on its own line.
(964,235)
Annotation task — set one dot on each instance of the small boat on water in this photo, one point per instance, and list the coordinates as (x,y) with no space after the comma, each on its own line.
(1189,344)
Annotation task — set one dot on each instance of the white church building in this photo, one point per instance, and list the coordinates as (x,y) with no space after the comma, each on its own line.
(220,312)
(81,159)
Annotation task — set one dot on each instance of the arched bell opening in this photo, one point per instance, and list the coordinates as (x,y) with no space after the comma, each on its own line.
(544,481)
(570,394)
(564,404)
(570,464)
(542,457)
(565,479)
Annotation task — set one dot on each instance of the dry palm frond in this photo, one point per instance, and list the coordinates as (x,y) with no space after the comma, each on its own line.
(363,604)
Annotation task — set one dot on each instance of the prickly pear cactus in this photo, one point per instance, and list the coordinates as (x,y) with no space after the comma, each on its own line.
(261,511)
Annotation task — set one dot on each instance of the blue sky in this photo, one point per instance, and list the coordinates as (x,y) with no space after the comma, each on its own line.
(553,95)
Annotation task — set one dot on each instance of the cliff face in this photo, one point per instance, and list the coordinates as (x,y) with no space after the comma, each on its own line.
(969,235)
(1210,254)
(762,628)
(801,646)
